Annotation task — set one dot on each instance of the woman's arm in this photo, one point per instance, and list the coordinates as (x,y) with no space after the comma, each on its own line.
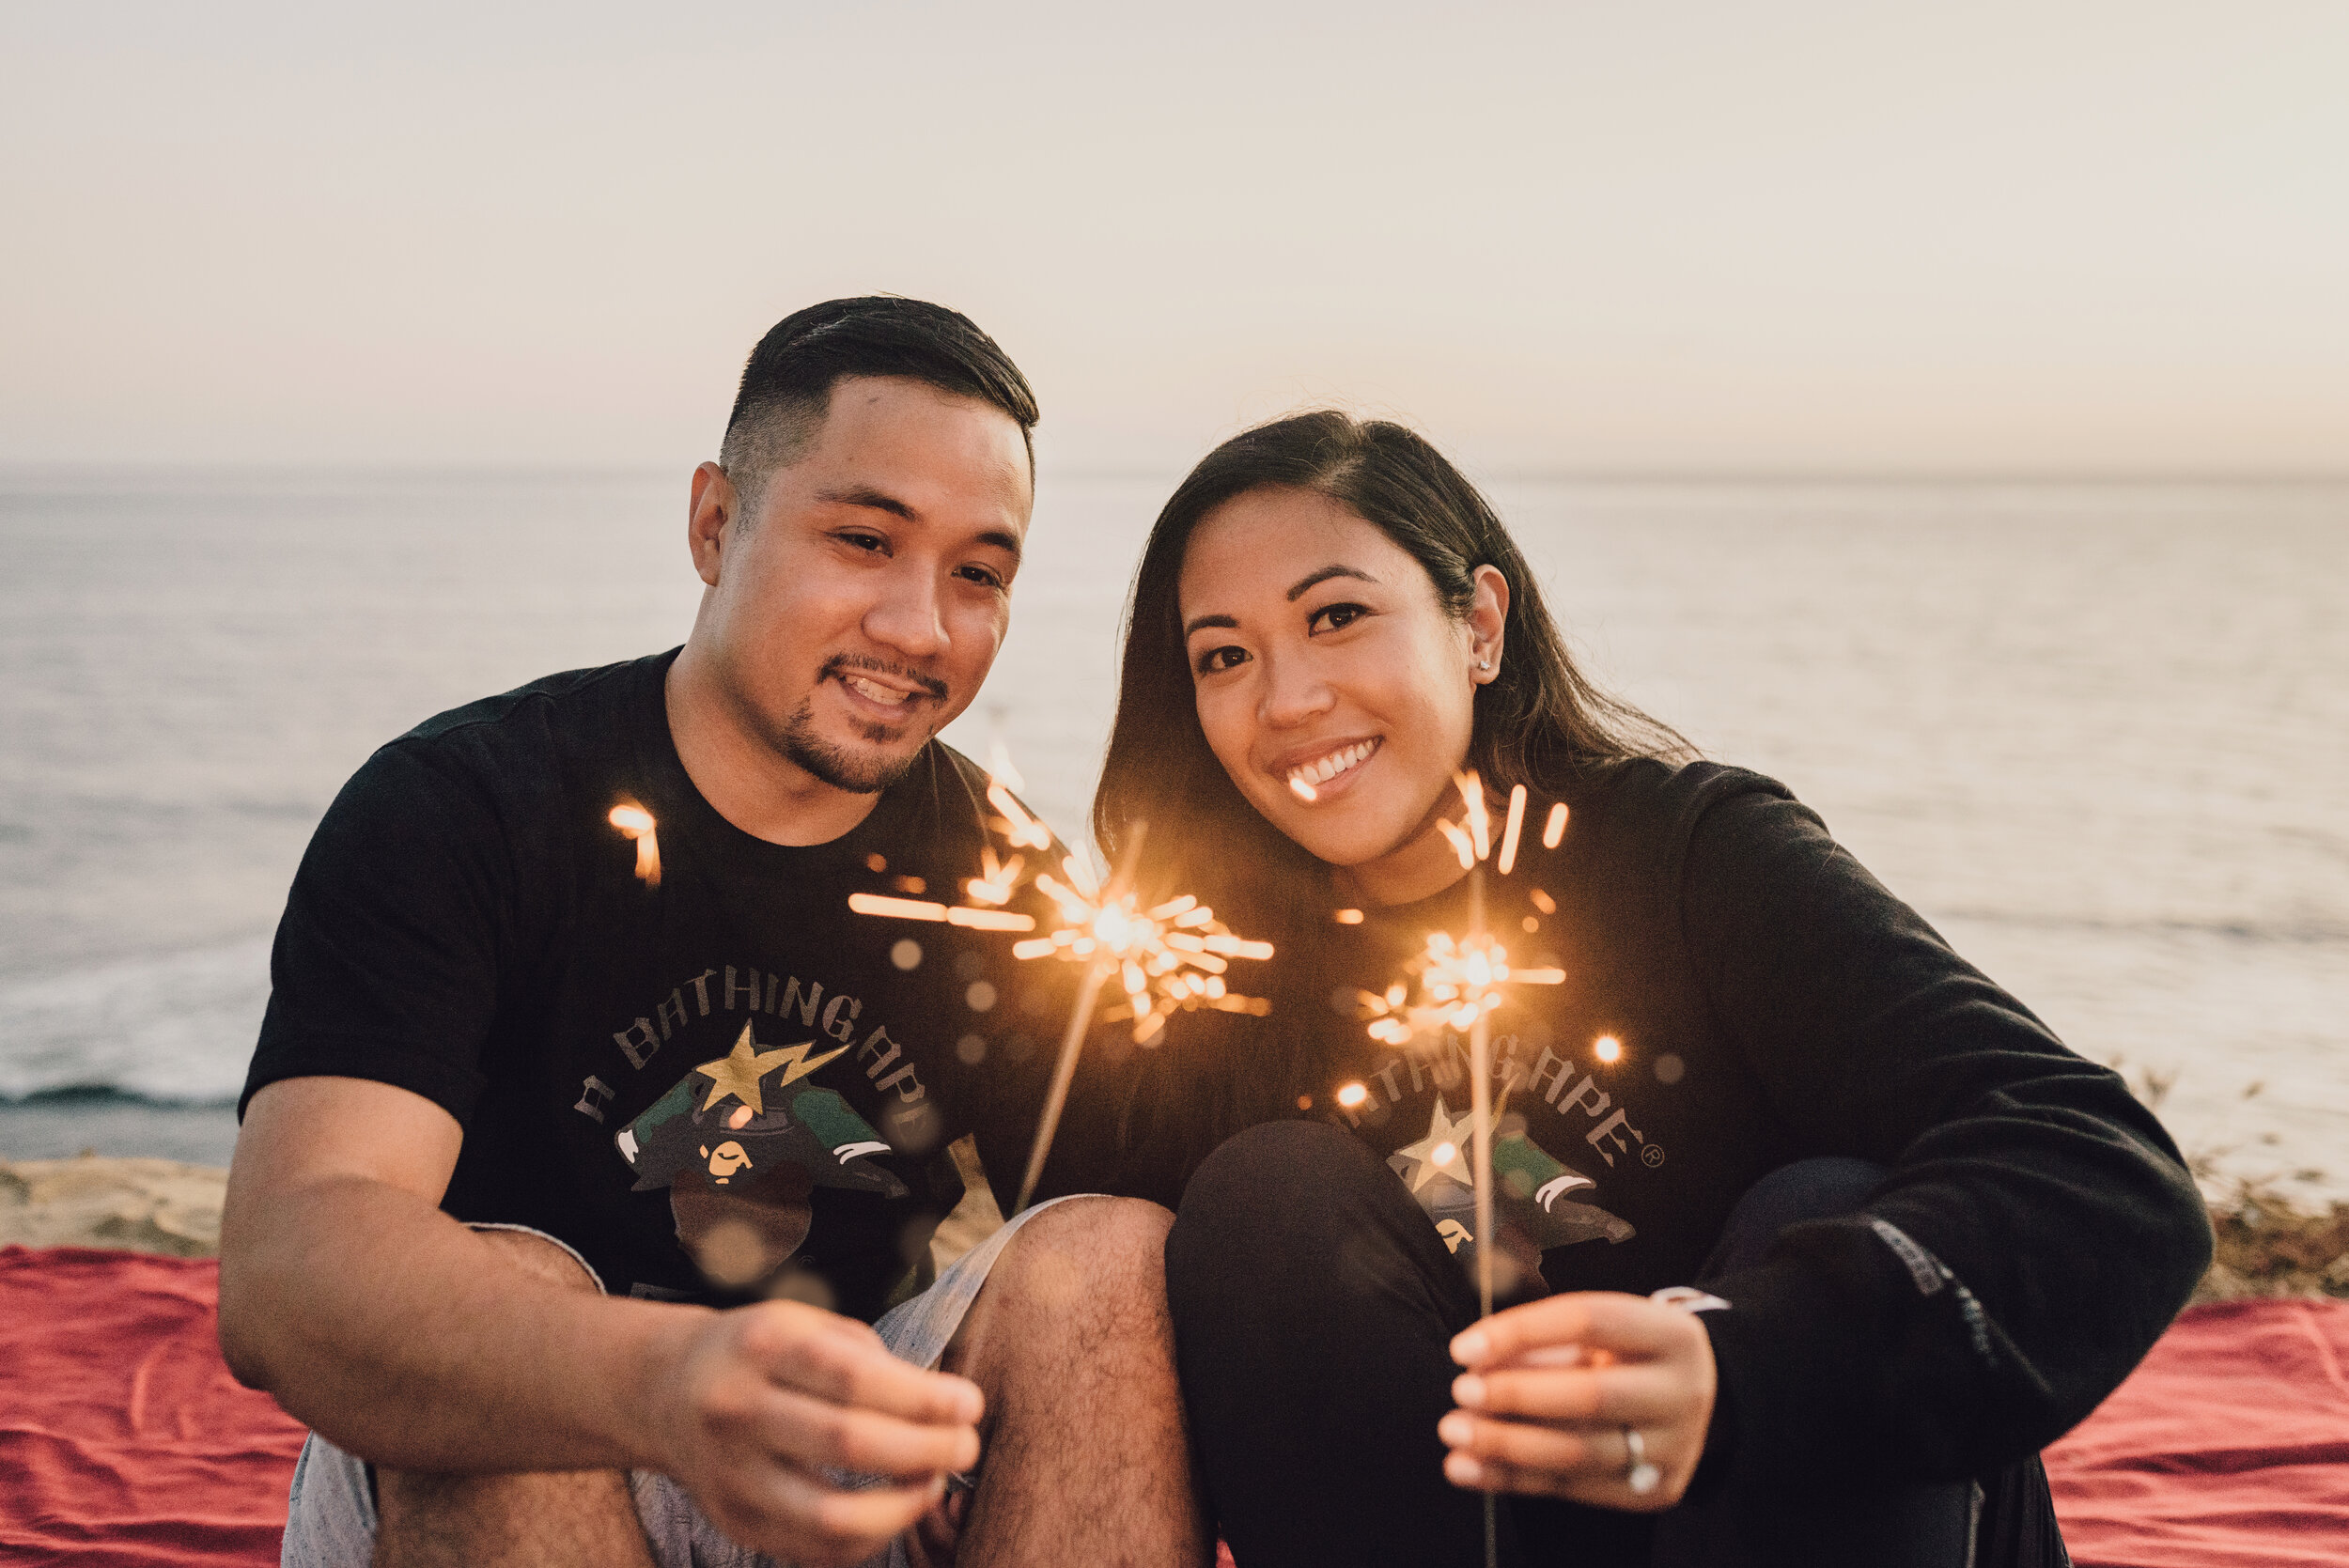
(2036,1233)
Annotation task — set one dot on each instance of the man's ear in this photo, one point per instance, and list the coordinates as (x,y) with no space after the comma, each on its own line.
(714,506)
(1488,615)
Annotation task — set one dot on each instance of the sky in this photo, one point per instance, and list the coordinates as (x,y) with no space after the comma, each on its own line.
(1575,238)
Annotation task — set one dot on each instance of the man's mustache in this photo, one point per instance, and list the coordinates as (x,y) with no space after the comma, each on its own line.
(841,663)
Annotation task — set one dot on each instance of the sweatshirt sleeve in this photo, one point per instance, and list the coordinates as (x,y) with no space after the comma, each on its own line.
(2036,1232)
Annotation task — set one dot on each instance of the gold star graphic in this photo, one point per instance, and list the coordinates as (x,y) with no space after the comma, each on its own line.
(1443,1139)
(739,1072)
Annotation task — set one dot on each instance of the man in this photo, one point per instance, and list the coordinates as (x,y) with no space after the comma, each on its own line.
(588,1129)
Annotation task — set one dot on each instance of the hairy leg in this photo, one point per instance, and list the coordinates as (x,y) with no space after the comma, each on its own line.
(1086,1458)
(579,1519)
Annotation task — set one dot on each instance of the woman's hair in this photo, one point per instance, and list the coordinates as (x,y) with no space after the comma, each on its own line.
(1539,723)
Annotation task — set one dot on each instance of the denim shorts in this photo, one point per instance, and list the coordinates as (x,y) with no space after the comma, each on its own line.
(331,1514)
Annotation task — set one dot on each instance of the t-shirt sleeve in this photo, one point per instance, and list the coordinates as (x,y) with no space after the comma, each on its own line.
(385,965)
(2037,1230)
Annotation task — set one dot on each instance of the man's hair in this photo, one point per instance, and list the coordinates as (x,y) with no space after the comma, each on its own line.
(786,386)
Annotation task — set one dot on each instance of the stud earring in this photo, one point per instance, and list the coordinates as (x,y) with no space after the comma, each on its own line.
(1484,663)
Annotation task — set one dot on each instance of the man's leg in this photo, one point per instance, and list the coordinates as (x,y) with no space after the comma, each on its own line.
(580,1519)
(1085,1457)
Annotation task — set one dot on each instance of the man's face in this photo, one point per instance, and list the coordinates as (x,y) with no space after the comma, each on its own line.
(862,605)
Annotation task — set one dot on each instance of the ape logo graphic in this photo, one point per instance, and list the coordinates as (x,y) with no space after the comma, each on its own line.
(1531,1204)
(740,1151)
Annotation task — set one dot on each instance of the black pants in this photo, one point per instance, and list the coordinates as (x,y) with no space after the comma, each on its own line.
(1314,1304)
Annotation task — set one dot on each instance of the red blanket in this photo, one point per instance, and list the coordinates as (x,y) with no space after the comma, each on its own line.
(2229,1447)
(123,1440)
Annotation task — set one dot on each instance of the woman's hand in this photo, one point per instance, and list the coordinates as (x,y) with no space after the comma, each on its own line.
(1551,1387)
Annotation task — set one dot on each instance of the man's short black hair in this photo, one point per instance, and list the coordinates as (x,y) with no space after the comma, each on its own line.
(786,386)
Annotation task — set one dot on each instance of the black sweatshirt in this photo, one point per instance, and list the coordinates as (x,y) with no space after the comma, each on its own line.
(1764,999)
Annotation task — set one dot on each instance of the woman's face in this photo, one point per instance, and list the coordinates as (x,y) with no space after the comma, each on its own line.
(1335,689)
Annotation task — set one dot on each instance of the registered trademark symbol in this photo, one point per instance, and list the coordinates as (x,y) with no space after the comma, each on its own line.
(1652,1155)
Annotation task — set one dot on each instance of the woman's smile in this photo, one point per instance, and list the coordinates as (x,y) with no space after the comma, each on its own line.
(1329,771)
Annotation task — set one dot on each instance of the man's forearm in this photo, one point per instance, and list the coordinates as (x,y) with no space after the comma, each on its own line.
(413,1341)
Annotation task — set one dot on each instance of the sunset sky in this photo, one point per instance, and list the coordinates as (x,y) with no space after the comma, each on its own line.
(1576,238)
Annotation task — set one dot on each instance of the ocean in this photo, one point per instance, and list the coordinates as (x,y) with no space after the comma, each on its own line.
(2097,733)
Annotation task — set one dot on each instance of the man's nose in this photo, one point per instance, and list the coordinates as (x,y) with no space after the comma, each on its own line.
(908,617)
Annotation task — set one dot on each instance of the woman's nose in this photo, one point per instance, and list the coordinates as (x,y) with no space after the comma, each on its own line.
(1293,693)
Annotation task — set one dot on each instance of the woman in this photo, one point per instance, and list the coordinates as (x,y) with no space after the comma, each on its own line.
(1901,1236)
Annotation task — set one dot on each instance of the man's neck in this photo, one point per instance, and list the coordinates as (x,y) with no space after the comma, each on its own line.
(743,778)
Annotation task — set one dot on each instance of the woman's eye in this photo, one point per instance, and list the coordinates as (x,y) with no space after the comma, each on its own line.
(1334,617)
(1215,660)
(862,541)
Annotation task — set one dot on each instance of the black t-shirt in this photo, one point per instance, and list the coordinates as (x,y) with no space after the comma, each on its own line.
(720,1081)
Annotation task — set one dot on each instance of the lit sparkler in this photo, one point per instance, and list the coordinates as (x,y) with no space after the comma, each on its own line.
(1170,957)
(1456,981)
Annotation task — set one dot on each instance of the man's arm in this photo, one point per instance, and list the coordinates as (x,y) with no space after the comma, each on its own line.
(411,1340)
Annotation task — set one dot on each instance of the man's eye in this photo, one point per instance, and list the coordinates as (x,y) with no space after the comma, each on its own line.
(985,577)
(1217,659)
(1334,617)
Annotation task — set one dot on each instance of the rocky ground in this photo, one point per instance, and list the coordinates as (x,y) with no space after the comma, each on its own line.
(2266,1247)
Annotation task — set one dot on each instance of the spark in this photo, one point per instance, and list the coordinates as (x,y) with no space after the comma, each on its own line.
(1352,1095)
(1509,835)
(1305,792)
(1606,1047)
(637,823)
(1555,829)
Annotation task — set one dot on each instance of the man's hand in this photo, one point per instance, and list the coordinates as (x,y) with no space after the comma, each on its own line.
(769,1403)
(1552,1386)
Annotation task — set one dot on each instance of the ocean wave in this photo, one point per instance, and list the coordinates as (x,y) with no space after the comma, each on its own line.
(177,1029)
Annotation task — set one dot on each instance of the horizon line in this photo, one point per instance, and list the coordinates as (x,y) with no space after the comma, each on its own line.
(1856,476)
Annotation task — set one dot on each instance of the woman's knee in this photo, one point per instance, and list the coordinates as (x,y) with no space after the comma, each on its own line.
(1816,1188)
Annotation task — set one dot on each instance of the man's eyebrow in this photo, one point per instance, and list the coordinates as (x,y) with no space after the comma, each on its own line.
(1198,621)
(1003,539)
(865,495)
(1323,575)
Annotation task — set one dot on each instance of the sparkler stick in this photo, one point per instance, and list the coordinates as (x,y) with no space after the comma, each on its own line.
(1106,961)
(1460,982)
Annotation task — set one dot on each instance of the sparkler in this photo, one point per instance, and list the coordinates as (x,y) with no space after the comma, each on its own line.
(1457,983)
(1170,957)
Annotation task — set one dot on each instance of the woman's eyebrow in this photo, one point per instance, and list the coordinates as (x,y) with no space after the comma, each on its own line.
(1197,621)
(1323,575)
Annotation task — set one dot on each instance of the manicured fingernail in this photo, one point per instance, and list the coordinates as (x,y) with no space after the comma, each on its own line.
(1455,1429)
(1468,1390)
(1470,1347)
(1461,1471)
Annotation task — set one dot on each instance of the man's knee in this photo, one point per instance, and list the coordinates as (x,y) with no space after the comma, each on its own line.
(1085,1247)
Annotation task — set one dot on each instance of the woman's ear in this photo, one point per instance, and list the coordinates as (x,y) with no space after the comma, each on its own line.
(1487,614)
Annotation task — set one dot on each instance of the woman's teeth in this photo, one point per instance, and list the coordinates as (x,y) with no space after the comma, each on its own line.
(1303,780)
(881,694)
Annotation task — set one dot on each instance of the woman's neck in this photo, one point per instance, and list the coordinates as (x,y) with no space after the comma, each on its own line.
(1422,866)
